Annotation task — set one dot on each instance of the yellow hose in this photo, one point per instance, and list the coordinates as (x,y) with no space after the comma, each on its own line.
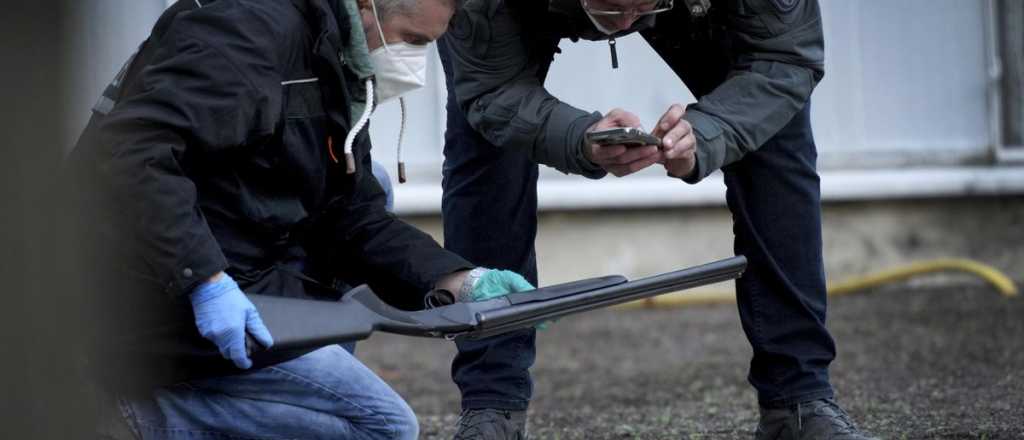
(1003,284)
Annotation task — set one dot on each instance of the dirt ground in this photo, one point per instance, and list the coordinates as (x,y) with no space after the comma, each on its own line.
(933,362)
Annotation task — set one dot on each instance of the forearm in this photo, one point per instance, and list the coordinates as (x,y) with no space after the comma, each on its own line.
(196,104)
(729,124)
(167,232)
(779,60)
(388,253)
(497,77)
(528,119)
(453,282)
(404,258)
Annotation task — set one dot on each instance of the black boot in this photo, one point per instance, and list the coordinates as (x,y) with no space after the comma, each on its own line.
(820,419)
(491,424)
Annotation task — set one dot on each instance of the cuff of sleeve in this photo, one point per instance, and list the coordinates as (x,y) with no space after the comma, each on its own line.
(710,154)
(466,290)
(575,132)
(204,262)
(208,290)
(449,263)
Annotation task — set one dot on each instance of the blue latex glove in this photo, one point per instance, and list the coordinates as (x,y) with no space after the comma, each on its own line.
(224,314)
(498,283)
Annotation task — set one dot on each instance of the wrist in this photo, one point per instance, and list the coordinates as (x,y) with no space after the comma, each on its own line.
(581,150)
(465,292)
(213,288)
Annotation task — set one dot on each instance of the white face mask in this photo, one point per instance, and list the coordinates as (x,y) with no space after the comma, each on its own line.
(399,68)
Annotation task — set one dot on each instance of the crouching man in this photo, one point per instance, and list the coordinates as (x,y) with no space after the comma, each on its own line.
(231,156)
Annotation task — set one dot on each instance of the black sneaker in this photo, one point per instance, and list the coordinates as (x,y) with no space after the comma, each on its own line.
(816,420)
(491,424)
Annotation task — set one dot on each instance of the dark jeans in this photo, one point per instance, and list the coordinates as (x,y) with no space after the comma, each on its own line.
(490,204)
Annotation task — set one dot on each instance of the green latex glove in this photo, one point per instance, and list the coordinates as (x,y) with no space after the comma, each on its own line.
(498,283)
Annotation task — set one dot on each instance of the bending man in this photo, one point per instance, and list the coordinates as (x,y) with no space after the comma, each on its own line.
(752,64)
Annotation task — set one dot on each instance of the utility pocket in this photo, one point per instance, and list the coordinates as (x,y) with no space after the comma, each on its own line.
(305,145)
(763,19)
(493,119)
(303,98)
(287,174)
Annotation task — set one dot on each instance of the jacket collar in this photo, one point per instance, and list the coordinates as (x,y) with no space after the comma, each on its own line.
(322,19)
(339,29)
(341,45)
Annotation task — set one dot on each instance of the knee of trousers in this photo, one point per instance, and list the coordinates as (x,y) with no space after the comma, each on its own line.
(407,427)
(401,424)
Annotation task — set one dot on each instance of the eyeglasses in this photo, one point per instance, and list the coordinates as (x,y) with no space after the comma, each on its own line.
(649,8)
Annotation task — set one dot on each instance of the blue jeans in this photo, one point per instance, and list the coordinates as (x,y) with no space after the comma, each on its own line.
(490,217)
(326,394)
(384,179)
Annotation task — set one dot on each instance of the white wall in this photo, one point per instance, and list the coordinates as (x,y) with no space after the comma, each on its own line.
(905,85)
(106,33)
(905,82)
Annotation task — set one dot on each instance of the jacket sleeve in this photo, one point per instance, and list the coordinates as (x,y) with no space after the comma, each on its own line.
(401,263)
(497,75)
(211,86)
(778,51)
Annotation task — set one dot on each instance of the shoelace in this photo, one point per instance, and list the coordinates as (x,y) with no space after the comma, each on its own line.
(838,417)
(841,419)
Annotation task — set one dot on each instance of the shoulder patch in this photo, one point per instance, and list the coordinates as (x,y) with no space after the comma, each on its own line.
(785,5)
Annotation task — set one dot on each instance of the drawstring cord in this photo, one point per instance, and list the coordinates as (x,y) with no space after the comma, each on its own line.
(350,161)
(401,101)
(799,418)
(401,135)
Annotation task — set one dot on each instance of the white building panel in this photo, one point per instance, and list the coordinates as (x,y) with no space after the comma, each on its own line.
(906,85)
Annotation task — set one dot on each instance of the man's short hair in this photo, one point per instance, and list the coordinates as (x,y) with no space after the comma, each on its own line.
(388,8)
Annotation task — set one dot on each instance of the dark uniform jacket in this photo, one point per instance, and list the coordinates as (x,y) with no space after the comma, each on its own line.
(212,151)
(500,52)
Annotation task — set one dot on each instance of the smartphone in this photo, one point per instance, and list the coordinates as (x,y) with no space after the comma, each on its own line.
(628,136)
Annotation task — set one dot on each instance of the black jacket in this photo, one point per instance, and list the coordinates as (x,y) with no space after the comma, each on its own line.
(501,49)
(210,152)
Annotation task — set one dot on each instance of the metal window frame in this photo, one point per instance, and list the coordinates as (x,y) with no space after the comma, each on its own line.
(1001,152)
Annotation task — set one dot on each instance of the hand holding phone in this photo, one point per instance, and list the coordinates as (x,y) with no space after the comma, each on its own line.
(616,145)
(678,142)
